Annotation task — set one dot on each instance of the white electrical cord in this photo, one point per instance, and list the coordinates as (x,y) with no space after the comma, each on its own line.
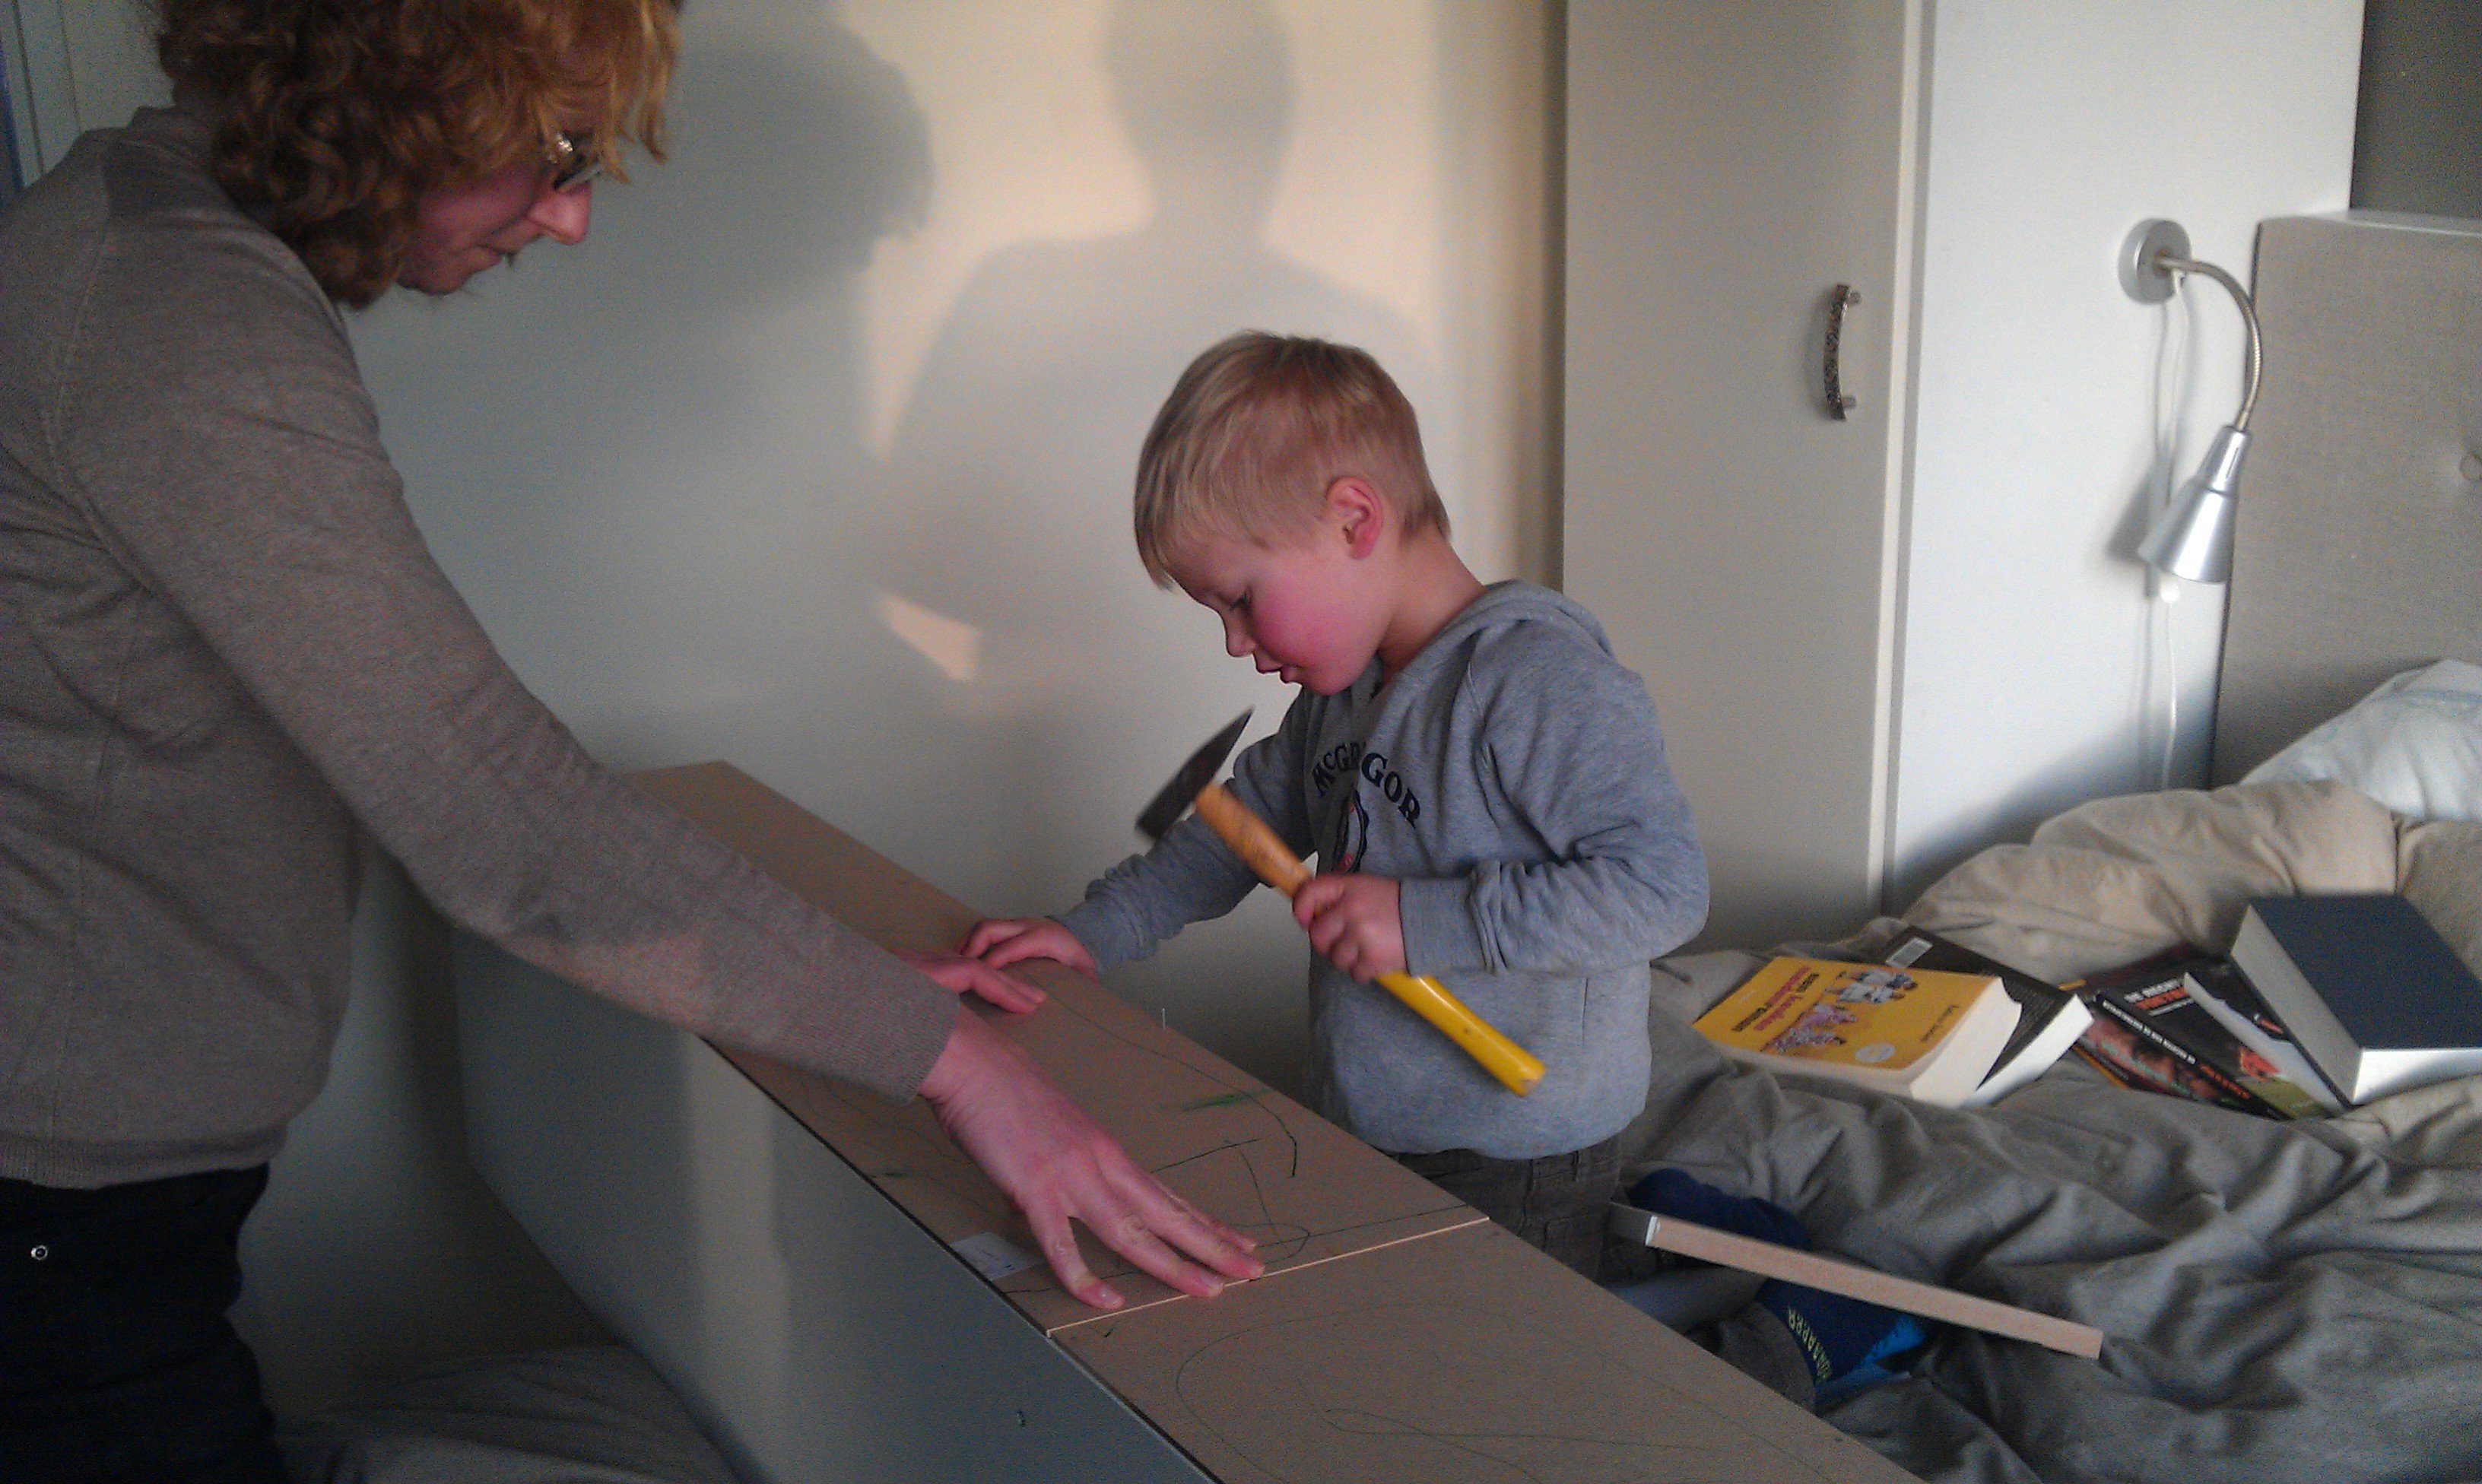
(2171,706)
(2163,588)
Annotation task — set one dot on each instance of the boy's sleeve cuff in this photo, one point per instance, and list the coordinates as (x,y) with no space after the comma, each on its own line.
(1440,935)
(1104,929)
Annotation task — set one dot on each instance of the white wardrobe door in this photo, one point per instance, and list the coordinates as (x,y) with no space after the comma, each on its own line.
(1728,166)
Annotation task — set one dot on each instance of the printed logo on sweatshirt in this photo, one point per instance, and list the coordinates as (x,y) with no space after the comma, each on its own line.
(1352,835)
(1348,759)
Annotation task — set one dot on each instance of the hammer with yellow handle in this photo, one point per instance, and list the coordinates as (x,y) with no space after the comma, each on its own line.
(1250,838)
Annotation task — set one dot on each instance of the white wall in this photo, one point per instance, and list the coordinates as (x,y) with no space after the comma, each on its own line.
(2028,683)
(816,458)
(73,65)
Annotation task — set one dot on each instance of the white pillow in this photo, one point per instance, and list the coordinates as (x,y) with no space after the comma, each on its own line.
(2414,744)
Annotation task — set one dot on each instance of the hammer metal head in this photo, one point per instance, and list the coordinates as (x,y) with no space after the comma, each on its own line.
(1197,773)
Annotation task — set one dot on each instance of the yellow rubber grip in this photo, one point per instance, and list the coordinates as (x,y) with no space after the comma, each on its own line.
(1517,1068)
(1250,838)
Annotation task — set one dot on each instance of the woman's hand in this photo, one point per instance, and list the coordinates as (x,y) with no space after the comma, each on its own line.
(1057,1164)
(1354,921)
(1000,941)
(954,972)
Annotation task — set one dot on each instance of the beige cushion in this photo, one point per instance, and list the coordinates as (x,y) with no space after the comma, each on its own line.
(2114,881)
(2441,872)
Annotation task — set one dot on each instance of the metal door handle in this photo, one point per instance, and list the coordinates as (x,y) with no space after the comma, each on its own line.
(1839,403)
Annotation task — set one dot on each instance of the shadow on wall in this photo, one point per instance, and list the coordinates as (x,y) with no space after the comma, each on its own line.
(1011,464)
(699,513)
(644,461)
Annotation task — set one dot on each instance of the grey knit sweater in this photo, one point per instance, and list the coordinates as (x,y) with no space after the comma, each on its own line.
(1512,780)
(222,647)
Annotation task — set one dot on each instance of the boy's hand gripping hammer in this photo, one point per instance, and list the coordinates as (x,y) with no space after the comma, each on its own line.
(1250,838)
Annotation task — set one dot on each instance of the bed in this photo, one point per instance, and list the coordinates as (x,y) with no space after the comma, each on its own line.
(2280,1301)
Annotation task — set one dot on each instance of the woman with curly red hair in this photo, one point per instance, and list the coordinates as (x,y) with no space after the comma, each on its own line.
(228,654)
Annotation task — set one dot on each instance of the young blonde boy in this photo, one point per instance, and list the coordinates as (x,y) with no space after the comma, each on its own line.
(1483,783)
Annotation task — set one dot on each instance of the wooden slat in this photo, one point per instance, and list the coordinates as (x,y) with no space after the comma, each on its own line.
(1752,1256)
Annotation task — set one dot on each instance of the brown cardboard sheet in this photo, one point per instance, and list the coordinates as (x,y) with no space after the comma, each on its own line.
(1397,1336)
(1303,1189)
(1463,1356)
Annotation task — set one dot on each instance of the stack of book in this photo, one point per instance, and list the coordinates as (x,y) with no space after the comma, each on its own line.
(2324,1004)
(2189,1025)
(1935,1022)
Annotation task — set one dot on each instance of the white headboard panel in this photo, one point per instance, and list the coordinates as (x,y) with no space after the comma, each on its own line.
(2358,547)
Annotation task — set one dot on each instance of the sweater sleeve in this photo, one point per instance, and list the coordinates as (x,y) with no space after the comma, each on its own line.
(214,431)
(1189,875)
(1571,742)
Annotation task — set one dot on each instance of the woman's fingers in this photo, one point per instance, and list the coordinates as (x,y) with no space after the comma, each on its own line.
(1129,1212)
(990,932)
(1183,1208)
(1059,1244)
(1008,950)
(1006,991)
(1182,1225)
(1055,1163)
(963,976)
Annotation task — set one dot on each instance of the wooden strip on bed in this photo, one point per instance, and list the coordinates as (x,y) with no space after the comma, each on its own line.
(1869,1284)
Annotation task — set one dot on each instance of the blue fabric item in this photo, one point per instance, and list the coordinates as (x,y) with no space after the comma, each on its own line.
(1673,1193)
(1880,1365)
(1844,1340)
(1839,1336)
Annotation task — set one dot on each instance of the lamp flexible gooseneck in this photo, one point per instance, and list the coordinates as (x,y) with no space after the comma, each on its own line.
(2192,538)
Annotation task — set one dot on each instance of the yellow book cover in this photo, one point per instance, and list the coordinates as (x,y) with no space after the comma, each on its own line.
(1926,1034)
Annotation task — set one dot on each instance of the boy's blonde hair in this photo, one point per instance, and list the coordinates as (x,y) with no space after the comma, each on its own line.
(1256,430)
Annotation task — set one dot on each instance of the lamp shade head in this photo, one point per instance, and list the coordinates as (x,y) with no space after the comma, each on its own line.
(2193,537)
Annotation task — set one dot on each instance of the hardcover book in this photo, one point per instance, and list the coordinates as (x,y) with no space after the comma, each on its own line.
(2153,1028)
(2374,996)
(1917,1033)
(2048,1018)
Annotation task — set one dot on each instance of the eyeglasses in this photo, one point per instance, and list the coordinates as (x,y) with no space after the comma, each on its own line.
(573,160)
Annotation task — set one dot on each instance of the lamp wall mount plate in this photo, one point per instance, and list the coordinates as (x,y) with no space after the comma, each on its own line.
(2142,272)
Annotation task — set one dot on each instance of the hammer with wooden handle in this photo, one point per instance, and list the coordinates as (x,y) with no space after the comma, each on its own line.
(1250,838)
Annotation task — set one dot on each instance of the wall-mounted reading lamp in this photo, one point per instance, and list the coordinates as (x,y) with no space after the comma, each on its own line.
(2193,537)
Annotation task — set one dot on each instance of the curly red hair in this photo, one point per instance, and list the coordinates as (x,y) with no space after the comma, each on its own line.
(335,117)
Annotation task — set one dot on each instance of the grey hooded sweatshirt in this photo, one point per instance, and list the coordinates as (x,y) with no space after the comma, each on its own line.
(1512,779)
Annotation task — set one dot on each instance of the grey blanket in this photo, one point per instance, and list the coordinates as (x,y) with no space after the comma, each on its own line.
(2279,1301)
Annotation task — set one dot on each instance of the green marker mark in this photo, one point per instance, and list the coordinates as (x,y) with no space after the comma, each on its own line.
(1225,1100)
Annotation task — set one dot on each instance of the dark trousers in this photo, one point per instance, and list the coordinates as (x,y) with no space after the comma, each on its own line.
(1559,1203)
(117,1363)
